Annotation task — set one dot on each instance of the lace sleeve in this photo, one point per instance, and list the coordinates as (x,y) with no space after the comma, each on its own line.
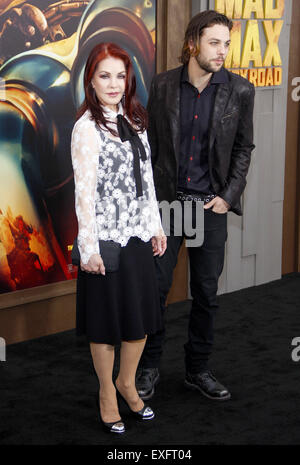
(85,155)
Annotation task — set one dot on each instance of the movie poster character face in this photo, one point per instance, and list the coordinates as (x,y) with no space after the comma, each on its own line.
(43,50)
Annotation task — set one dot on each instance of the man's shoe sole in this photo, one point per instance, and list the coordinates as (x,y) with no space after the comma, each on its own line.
(149,396)
(194,387)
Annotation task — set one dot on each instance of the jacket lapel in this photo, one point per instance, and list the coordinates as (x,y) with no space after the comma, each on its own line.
(221,100)
(173,109)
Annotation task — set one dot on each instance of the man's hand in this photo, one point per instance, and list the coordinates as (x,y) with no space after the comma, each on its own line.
(159,244)
(218,205)
(95,265)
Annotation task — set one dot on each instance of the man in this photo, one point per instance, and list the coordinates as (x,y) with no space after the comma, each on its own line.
(201,137)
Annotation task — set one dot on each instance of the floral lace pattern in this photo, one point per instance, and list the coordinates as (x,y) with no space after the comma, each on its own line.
(105,193)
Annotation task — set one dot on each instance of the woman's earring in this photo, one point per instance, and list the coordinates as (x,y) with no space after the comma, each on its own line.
(123,100)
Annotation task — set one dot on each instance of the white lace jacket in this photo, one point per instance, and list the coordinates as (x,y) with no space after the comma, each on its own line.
(105,192)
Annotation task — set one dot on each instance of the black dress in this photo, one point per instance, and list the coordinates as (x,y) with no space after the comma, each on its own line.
(122,305)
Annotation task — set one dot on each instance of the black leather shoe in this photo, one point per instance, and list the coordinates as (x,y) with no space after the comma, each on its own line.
(146,380)
(114,427)
(146,412)
(207,384)
(117,427)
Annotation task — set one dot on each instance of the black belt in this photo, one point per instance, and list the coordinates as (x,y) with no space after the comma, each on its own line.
(195,197)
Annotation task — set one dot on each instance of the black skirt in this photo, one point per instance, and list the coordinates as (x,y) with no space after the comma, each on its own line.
(122,305)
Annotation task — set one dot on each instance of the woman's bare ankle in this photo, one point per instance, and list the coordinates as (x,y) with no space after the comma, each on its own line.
(128,390)
(109,410)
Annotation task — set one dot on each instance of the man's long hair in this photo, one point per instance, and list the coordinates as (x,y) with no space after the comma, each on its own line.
(132,108)
(195,29)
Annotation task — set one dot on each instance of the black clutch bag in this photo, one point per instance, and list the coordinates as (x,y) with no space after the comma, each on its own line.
(110,254)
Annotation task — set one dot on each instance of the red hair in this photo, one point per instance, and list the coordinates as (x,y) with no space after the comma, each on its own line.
(132,108)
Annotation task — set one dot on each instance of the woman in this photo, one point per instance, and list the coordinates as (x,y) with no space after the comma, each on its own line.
(115,200)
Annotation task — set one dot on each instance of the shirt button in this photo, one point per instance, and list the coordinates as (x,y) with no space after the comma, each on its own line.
(189,179)
(198,95)
(196,116)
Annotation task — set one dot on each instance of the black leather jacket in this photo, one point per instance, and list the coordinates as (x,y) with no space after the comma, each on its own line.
(230,138)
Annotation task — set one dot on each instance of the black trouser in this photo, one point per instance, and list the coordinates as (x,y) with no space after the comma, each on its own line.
(206,264)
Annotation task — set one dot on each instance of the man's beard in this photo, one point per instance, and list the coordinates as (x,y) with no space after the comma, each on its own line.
(207,65)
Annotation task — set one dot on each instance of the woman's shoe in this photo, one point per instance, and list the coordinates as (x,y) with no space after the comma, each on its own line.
(113,427)
(146,413)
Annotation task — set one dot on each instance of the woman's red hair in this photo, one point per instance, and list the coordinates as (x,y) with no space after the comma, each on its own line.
(132,108)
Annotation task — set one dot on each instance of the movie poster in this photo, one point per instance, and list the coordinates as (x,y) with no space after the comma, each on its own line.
(43,50)
(254,51)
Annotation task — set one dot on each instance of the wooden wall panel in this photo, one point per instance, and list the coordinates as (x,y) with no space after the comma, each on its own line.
(37,319)
(179,289)
(297,268)
(37,311)
(264,271)
(251,197)
(233,253)
(291,210)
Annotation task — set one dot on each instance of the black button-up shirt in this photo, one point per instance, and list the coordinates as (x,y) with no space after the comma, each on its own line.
(195,116)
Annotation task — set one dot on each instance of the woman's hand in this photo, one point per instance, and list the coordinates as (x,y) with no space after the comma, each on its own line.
(95,265)
(159,244)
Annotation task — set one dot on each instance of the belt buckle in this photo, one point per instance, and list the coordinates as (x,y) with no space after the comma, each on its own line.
(195,198)
(209,197)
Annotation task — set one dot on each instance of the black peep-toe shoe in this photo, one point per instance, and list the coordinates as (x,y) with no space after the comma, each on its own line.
(117,427)
(146,413)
